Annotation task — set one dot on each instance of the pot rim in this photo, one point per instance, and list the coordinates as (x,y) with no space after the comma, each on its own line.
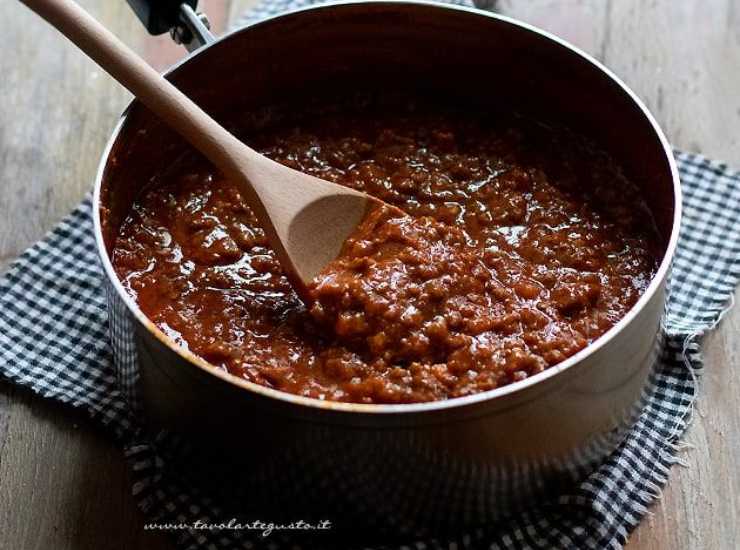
(432,406)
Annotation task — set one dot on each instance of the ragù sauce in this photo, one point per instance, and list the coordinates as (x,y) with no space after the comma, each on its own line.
(522,245)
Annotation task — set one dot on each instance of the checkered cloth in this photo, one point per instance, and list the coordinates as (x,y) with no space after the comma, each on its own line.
(53,339)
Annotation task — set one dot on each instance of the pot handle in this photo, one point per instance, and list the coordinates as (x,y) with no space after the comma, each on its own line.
(179,17)
(191,28)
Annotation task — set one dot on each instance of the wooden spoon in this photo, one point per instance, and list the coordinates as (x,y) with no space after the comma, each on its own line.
(306,219)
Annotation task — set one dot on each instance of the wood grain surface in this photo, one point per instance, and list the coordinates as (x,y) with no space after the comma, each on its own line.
(64,484)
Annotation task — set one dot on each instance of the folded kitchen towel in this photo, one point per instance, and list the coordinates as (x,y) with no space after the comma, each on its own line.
(53,339)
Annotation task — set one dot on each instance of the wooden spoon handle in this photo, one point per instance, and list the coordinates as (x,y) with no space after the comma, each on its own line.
(164,99)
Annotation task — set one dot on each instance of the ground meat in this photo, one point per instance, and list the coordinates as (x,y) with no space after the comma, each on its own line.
(516,253)
(409,289)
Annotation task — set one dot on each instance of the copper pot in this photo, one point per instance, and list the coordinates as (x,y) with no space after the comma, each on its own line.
(447,463)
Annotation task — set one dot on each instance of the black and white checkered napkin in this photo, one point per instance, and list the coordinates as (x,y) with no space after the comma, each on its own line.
(53,339)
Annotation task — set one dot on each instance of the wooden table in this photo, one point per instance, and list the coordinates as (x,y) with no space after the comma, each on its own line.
(63,483)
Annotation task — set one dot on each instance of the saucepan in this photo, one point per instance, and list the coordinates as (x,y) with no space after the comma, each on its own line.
(405,468)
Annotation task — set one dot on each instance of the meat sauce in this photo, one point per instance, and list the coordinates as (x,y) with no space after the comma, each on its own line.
(523,244)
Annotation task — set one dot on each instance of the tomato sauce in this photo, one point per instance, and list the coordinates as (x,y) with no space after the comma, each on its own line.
(523,244)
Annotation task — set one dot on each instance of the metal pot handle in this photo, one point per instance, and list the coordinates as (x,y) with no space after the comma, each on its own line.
(179,17)
(191,28)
